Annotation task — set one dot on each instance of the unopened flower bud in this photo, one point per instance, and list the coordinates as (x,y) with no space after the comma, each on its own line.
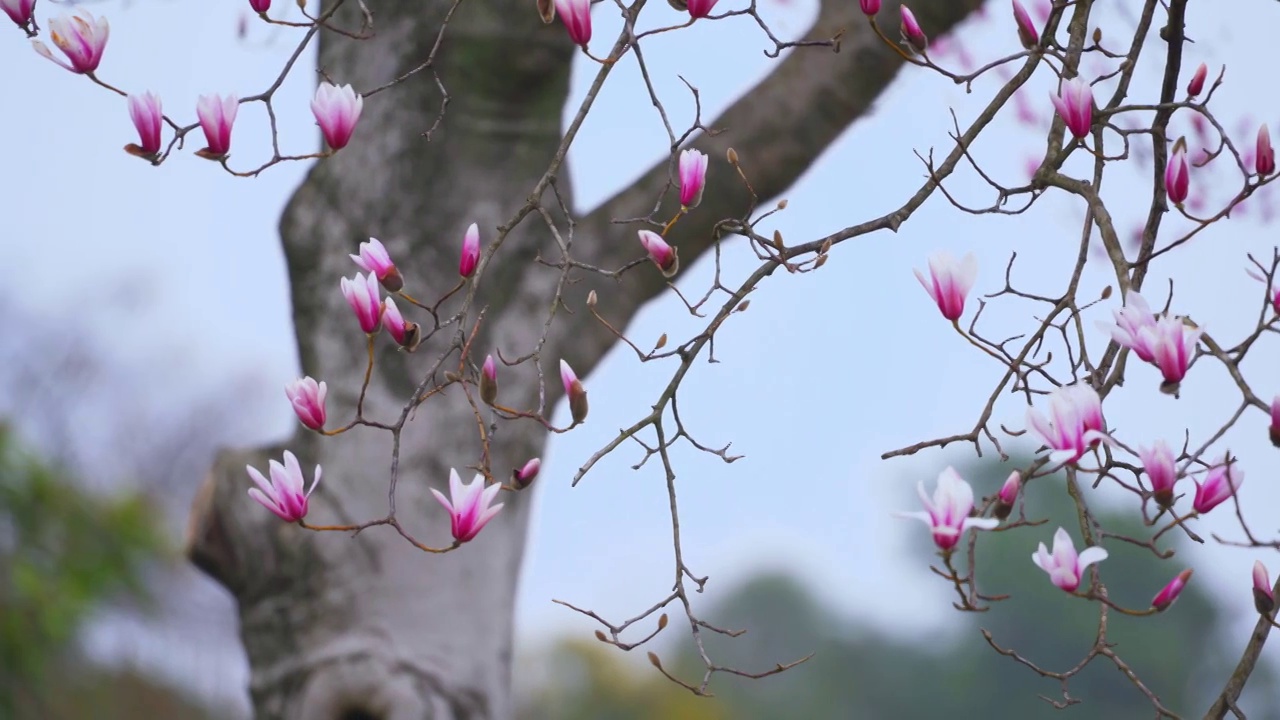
(1275,421)
(1263,598)
(470,251)
(1008,495)
(577,394)
(489,381)
(912,35)
(1170,592)
(522,477)
(662,254)
(870,7)
(1196,86)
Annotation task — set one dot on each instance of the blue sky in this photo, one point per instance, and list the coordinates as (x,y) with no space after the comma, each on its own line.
(824,373)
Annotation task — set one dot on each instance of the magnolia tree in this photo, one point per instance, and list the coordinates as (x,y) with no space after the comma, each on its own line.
(358,600)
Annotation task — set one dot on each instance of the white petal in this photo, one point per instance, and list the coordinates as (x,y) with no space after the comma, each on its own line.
(1089,556)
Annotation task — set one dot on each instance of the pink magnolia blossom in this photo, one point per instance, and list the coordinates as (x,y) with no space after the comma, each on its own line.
(662,254)
(145,112)
(1171,343)
(1264,599)
(19,11)
(701,8)
(912,35)
(947,513)
(401,330)
(1264,158)
(1275,421)
(489,381)
(470,251)
(217,116)
(1170,592)
(1132,322)
(1027,33)
(524,475)
(283,494)
(1074,103)
(1066,567)
(260,6)
(1220,483)
(576,15)
(1162,471)
(1074,423)
(80,36)
(576,392)
(468,505)
(374,258)
(1177,176)
(949,282)
(870,7)
(1196,85)
(361,293)
(693,173)
(1008,495)
(337,110)
(307,397)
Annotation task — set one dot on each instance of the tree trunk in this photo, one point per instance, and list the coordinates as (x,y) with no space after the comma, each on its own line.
(342,628)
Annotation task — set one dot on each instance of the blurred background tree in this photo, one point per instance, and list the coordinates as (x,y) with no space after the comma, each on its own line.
(868,673)
(63,553)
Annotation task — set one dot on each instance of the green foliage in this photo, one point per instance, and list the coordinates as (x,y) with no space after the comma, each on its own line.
(61,552)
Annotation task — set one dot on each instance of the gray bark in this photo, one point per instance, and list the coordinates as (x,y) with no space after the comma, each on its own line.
(342,628)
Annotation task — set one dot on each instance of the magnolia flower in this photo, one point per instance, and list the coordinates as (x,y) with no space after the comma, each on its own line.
(307,397)
(1275,421)
(145,112)
(1177,177)
(1074,103)
(217,116)
(870,7)
(260,6)
(1197,81)
(1027,33)
(1008,495)
(947,513)
(1065,566)
(19,11)
(1170,592)
(374,258)
(283,495)
(489,381)
(337,109)
(949,282)
(577,394)
(693,173)
(404,332)
(1131,321)
(576,15)
(700,8)
(470,252)
(1171,343)
(662,254)
(361,293)
(1162,472)
(1264,599)
(468,505)
(912,35)
(1264,158)
(1074,423)
(523,476)
(80,36)
(1221,482)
